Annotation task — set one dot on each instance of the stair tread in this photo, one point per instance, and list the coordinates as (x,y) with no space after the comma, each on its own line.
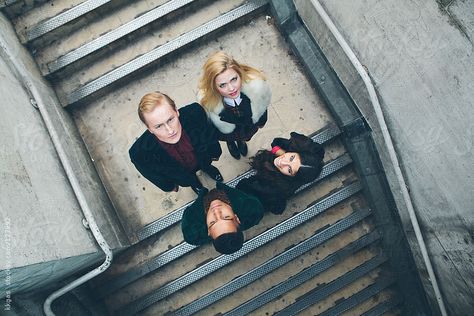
(115,34)
(354,302)
(183,248)
(285,257)
(265,237)
(125,62)
(49,16)
(382,306)
(87,30)
(321,292)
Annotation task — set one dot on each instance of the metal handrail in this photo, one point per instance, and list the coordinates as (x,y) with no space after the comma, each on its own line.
(31,87)
(391,150)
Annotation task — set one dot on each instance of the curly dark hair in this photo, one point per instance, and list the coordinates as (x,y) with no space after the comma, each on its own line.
(311,154)
(212,195)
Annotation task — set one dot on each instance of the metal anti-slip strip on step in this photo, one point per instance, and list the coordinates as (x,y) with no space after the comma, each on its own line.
(116,34)
(325,135)
(153,55)
(250,245)
(63,18)
(382,308)
(143,269)
(324,291)
(182,249)
(358,298)
(286,257)
(176,252)
(301,277)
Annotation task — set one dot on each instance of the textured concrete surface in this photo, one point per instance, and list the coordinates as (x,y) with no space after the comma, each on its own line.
(420,58)
(41,221)
(139,44)
(43,12)
(45,274)
(35,191)
(40,218)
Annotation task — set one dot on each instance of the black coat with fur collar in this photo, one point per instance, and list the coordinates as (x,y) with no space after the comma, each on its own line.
(155,164)
(259,95)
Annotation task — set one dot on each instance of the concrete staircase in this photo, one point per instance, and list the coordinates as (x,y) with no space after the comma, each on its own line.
(326,255)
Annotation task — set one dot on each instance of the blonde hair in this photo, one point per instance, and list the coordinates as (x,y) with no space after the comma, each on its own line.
(150,101)
(214,66)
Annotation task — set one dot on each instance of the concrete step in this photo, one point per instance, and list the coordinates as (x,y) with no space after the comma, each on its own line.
(207,266)
(151,49)
(383,306)
(115,34)
(15,8)
(321,256)
(274,263)
(319,293)
(85,29)
(52,15)
(373,291)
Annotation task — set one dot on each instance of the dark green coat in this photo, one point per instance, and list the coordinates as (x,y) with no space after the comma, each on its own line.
(247,207)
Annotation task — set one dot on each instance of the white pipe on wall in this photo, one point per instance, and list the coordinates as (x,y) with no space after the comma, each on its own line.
(391,149)
(36,95)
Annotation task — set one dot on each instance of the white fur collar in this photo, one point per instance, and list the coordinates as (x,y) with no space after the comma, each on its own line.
(259,93)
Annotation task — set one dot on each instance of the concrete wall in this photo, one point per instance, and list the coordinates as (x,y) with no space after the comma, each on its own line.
(419,54)
(40,217)
(41,231)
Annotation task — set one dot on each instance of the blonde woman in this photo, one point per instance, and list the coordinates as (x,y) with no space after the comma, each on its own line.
(235,97)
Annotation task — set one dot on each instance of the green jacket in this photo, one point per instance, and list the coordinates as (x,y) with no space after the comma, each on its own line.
(247,207)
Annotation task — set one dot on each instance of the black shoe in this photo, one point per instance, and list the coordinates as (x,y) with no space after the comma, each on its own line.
(242,146)
(214,173)
(233,150)
(197,189)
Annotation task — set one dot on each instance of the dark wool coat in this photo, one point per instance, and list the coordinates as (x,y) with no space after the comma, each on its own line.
(155,164)
(248,208)
(273,196)
(241,116)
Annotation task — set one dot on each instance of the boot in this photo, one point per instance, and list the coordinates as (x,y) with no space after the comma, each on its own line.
(213,172)
(233,150)
(242,146)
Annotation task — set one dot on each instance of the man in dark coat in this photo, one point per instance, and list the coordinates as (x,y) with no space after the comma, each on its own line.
(176,144)
(220,216)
